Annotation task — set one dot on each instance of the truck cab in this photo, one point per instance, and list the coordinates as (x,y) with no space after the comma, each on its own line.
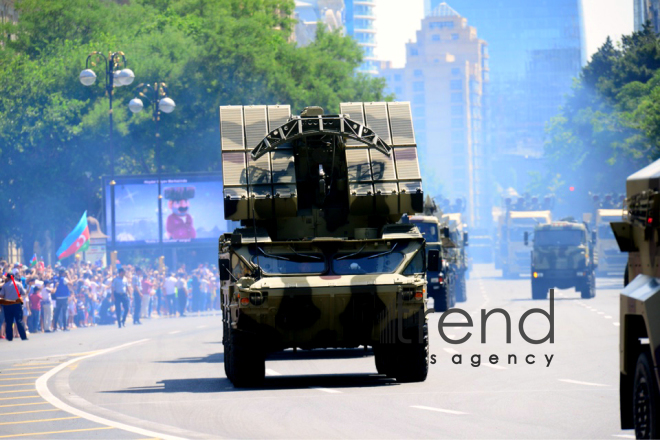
(515,256)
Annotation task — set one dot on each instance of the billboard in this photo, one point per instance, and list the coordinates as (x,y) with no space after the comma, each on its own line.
(192,209)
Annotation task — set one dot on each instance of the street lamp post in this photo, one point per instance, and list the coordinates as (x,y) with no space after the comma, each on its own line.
(156,96)
(114,77)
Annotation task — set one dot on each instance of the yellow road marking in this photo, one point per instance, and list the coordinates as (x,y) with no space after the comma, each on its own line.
(83,354)
(17,385)
(18,391)
(22,397)
(26,368)
(20,378)
(37,421)
(33,365)
(55,432)
(22,404)
(29,412)
(17,374)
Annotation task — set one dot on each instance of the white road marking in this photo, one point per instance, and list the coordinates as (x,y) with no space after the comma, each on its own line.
(446,411)
(202,326)
(327,390)
(42,389)
(577,382)
(616,324)
(607,317)
(174,332)
(601,313)
(270,372)
(450,350)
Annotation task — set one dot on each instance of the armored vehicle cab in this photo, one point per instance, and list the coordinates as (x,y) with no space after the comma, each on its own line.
(563,257)
(638,234)
(319,260)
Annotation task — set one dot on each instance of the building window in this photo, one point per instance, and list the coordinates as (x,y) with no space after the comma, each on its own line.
(418,86)
(456,84)
(441,25)
(456,98)
(455,71)
(418,73)
(454,36)
(457,137)
(419,99)
(397,77)
(435,37)
(457,123)
(398,91)
(414,52)
(418,112)
(457,110)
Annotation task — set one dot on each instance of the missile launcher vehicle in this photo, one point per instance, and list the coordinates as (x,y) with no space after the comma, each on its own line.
(319,260)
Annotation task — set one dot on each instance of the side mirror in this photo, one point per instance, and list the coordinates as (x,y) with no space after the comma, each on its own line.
(526,238)
(445,232)
(434,261)
(465,239)
(223,266)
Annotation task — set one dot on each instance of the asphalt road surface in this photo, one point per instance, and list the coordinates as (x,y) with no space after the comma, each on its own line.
(165,379)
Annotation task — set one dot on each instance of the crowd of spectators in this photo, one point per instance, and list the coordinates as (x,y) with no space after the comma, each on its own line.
(61,298)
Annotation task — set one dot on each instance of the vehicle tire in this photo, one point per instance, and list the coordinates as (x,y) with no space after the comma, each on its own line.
(384,359)
(412,360)
(442,299)
(646,401)
(539,289)
(247,361)
(461,288)
(588,288)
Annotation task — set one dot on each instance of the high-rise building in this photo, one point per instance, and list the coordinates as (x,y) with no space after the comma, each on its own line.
(444,77)
(536,49)
(360,18)
(647,10)
(356,17)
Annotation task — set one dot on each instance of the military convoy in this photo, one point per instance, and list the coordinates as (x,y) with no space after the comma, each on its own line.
(638,234)
(611,261)
(319,260)
(563,257)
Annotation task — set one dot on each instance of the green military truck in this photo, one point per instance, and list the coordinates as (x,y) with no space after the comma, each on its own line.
(456,255)
(319,260)
(638,235)
(563,257)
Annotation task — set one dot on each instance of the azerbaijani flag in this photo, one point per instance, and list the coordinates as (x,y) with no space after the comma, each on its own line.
(33,261)
(77,240)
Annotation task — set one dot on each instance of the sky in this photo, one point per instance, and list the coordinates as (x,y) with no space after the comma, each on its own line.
(398,20)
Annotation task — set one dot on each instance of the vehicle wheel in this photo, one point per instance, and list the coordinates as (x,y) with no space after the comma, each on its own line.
(247,362)
(442,299)
(539,289)
(412,360)
(588,289)
(646,411)
(461,289)
(384,359)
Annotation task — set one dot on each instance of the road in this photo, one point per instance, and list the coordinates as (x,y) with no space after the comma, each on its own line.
(165,379)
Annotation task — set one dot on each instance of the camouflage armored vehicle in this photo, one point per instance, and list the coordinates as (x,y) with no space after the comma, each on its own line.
(319,260)
(441,283)
(457,255)
(563,257)
(638,234)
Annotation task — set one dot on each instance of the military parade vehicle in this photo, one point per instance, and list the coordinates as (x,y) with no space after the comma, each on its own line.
(638,234)
(563,257)
(440,283)
(519,217)
(456,255)
(610,259)
(319,260)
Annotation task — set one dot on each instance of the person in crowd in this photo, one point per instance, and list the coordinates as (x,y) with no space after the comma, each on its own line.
(62,293)
(11,298)
(182,294)
(196,293)
(35,309)
(47,307)
(136,286)
(170,293)
(120,295)
(146,287)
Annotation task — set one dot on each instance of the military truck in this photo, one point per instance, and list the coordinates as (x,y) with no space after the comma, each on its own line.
(457,255)
(610,259)
(515,257)
(441,283)
(319,260)
(563,257)
(639,350)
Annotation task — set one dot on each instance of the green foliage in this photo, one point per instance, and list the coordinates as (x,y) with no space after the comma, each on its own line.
(54,132)
(610,125)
